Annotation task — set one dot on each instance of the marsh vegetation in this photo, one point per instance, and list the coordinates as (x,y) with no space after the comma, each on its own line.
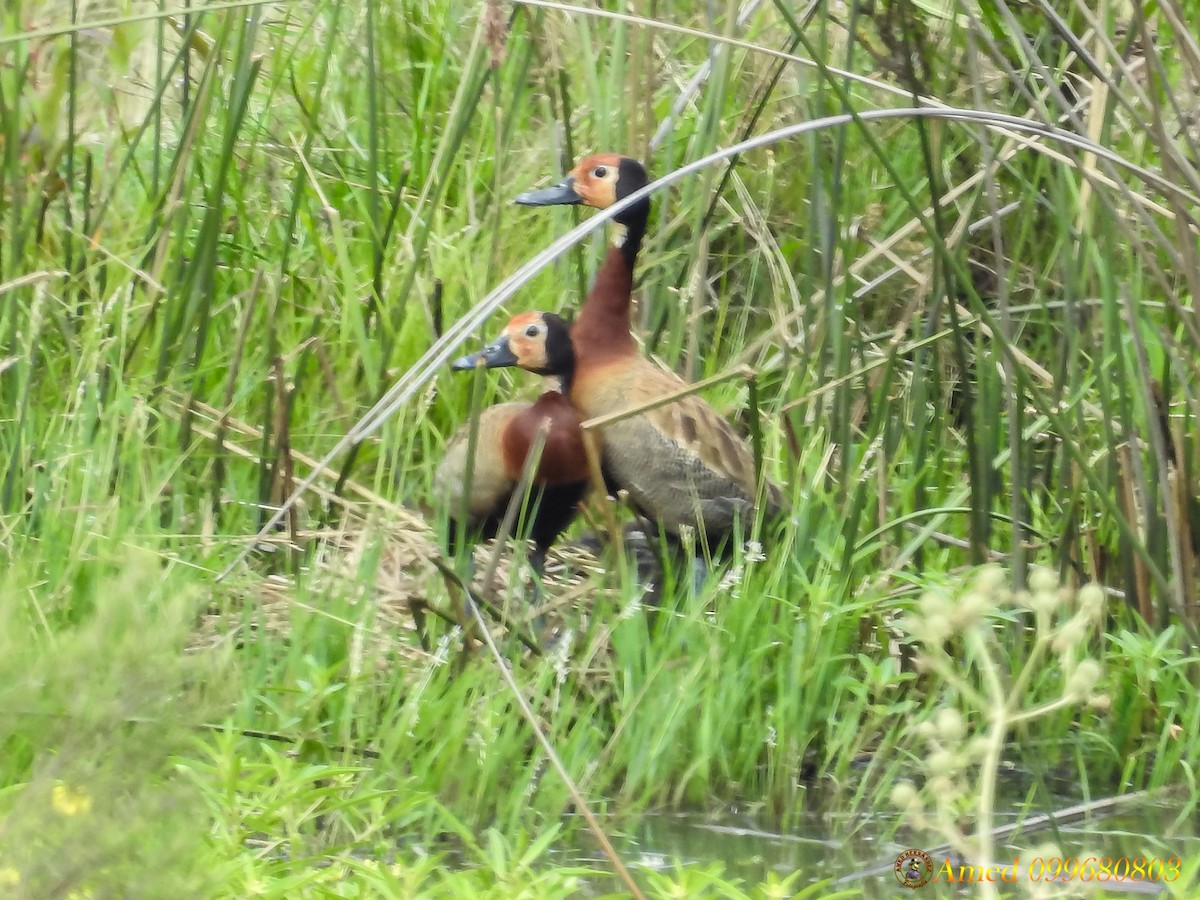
(966,344)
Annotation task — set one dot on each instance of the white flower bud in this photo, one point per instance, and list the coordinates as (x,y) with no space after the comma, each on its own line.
(941,761)
(1084,679)
(971,607)
(990,580)
(935,631)
(904,796)
(1043,580)
(1091,600)
(950,725)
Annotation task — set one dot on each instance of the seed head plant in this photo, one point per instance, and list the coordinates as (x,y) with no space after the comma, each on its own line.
(965,738)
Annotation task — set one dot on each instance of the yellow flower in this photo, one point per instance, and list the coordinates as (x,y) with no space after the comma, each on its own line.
(69,802)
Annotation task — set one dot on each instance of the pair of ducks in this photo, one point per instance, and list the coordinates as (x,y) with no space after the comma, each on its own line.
(681,464)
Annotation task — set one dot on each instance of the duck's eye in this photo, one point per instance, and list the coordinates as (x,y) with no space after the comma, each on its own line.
(599,172)
(532,331)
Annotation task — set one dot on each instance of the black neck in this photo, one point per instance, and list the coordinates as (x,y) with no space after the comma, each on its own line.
(631,179)
(635,231)
(560,354)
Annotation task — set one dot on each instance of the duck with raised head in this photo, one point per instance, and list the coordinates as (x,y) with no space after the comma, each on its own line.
(507,433)
(682,464)
(603,326)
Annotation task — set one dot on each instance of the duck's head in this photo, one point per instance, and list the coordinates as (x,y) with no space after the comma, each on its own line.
(537,342)
(598,181)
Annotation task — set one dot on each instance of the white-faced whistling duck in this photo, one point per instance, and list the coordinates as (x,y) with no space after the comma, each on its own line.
(603,327)
(507,433)
(682,464)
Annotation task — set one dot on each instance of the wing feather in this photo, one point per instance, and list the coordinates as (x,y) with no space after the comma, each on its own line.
(697,428)
(681,461)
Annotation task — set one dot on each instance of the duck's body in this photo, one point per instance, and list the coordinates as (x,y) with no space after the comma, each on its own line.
(681,463)
(507,434)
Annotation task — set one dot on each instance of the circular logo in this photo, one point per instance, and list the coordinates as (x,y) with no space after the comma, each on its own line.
(914,868)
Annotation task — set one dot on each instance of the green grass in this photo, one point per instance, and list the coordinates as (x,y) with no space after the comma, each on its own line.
(273,210)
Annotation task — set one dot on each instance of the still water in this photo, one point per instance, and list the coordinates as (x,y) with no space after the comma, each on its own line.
(860,852)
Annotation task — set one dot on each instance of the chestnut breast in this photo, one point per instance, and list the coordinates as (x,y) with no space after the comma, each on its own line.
(563,459)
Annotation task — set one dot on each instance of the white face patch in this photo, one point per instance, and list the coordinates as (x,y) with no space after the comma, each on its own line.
(619,233)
